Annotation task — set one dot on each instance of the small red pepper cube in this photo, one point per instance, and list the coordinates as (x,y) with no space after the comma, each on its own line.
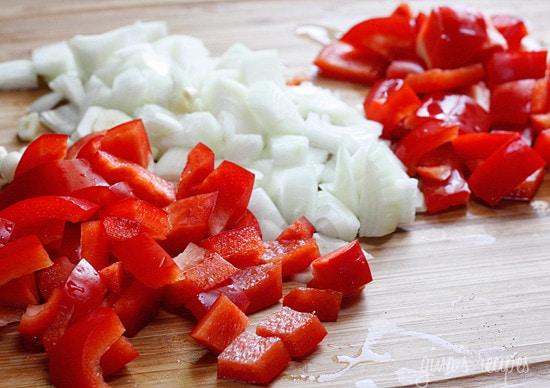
(136,307)
(511,102)
(512,29)
(438,80)
(20,292)
(55,276)
(527,189)
(94,244)
(262,284)
(402,68)
(115,277)
(201,303)
(117,356)
(220,326)
(200,163)
(21,257)
(248,219)
(37,318)
(300,229)
(128,141)
(539,98)
(345,269)
(105,195)
(506,66)
(295,256)
(43,149)
(84,290)
(447,194)
(325,304)
(6,231)
(75,361)
(241,247)
(300,332)
(253,359)
(481,145)
(542,145)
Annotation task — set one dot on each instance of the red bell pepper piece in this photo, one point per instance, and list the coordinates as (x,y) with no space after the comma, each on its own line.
(234,185)
(295,256)
(220,326)
(128,141)
(422,140)
(200,163)
(137,306)
(120,229)
(388,37)
(389,102)
(189,221)
(325,304)
(512,29)
(94,244)
(404,10)
(481,145)
(115,277)
(345,269)
(37,318)
(506,66)
(300,332)
(340,60)
(105,195)
(6,231)
(145,259)
(448,194)
(62,177)
(200,304)
(52,334)
(75,362)
(84,289)
(209,270)
(540,121)
(253,359)
(437,165)
(539,98)
(527,189)
(154,221)
(54,277)
(262,284)
(301,229)
(542,145)
(241,247)
(49,232)
(45,148)
(70,243)
(511,102)
(74,150)
(21,257)
(117,356)
(401,68)
(504,170)
(248,219)
(20,292)
(438,80)
(452,37)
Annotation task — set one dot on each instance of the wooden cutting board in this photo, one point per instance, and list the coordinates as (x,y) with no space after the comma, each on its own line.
(454,296)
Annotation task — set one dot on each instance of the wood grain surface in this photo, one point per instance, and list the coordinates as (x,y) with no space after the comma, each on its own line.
(456,295)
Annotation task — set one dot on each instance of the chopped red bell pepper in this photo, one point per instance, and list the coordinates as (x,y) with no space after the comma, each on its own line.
(37,318)
(75,362)
(247,219)
(6,230)
(128,141)
(54,277)
(241,247)
(301,229)
(511,102)
(481,145)
(70,243)
(74,150)
(20,292)
(512,29)
(137,306)
(201,303)
(345,269)
(220,326)
(295,256)
(401,68)
(540,121)
(115,278)
(262,284)
(49,232)
(527,189)
(118,356)
(53,333)
(189,221)
(105,195)
(325,304)
(253,359)
(438,80)
(84,289)
(506,66)
(447,194)
(200,163)
(404,10)
(300,332)
(389,102)
(94,244)
(145,259)
(21,257)
(45,148)
(119,229)
(539,99)
(504,170)
(542,145)
(340,60)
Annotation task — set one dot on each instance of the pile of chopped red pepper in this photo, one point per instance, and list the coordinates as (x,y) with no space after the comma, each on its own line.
(92,244)
(460,96)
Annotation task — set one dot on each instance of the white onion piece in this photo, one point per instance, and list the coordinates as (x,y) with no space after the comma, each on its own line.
(317,155)
(294,190)
(159,123)
(17,75)
(9,164)
(265,166)
(53,60)
(243,148)
(28,127)
(334,218)
(234,57)
(267,213)
(328,244)
(262,65)
(344,186)
(109,118)
(70,87)
(171,163)
(61,120)
(289,150)
(46,102)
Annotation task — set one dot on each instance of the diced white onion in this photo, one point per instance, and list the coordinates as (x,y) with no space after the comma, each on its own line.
(28,127)
(15,75)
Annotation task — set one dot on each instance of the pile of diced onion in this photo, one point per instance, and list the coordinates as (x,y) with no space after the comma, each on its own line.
(311,153)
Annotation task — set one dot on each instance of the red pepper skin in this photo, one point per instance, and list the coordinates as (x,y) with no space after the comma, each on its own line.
(504,170)
(262,284)
(105,195)
(438,80)
(295,256)
(200,163)
(527,189)
(389,102)
(120,229)
(542,145)
(340,60)
(400,68)
(74,150)
(63,177)
(21,257)
(539,98)
(145,259)
(75,362)
(253,359)
(20,292)
(300,332)
(115,278)
(189,221)
(511,102)
(51,336)
(84,289)
(154,221)
(481,145)
(241,247)
(512,29)
(45,148)
(37,318)
(220,326)
(54,277)
(448,194)
(346,270)
(128,141)
(325,304)
(6,231)
(201,303)
(234,185)
(137,306)
(94,244)
(117,356)
(70,243)
(301,229)
(506,66)
(248,219)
